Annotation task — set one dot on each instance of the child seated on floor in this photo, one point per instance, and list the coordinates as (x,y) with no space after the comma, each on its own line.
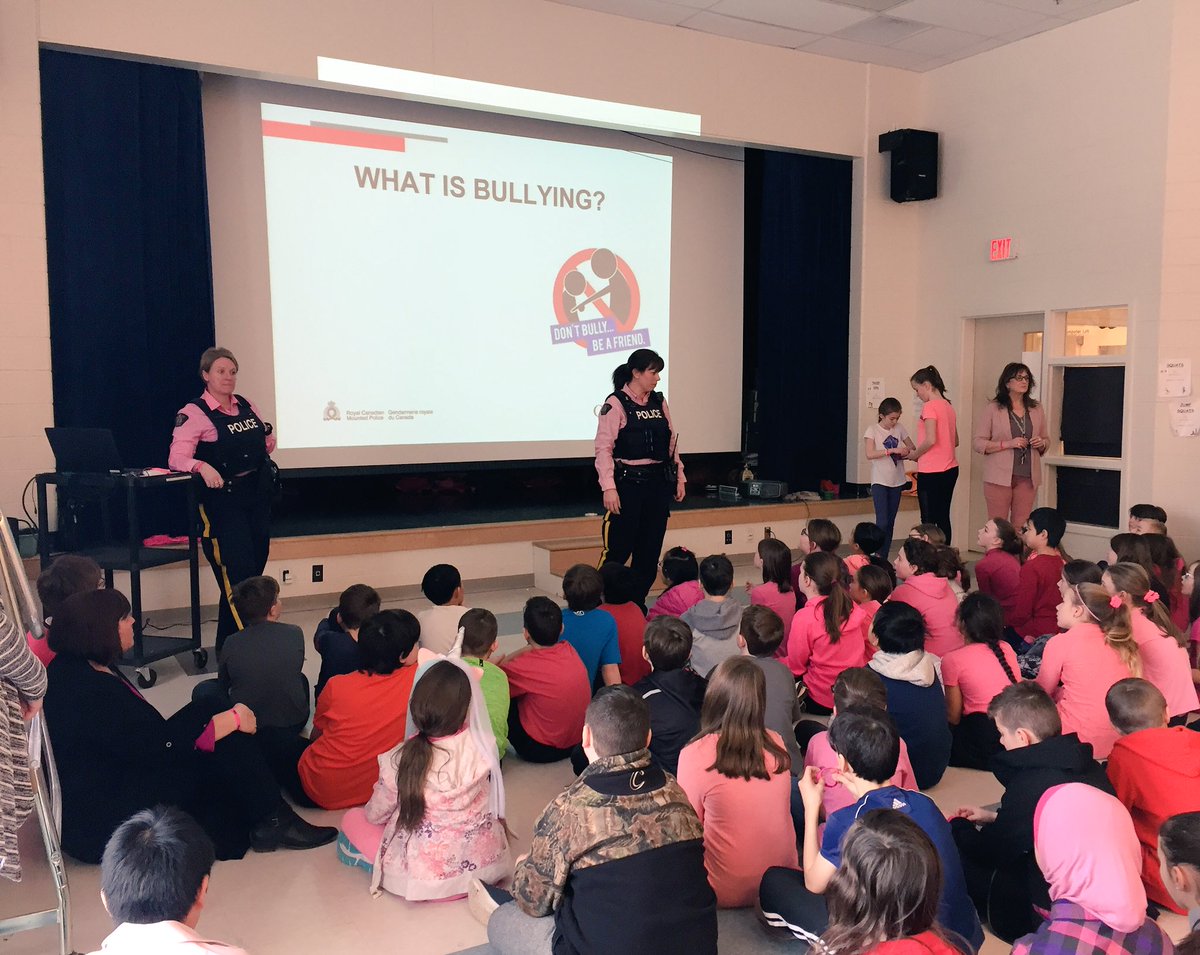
(774,559)
(735,774)
(829,635)
(590,630)
(870,587)
(1074,572)
(1078,666)
(680,572)
(1147,519)
(548,685)
(1179,847)
(998,571)
(866,540)
(442,587)
(435,819)
(868,749)
(1192,593)
(884,897)
(1162,645)
(915,700)
(950,567)
(620,584)
(1088,850)
(715,619)
(672,691)
(931,595)
(336,639)
(996,847)
(760,635)
(857,687)
(818,534)
(362,714)
(1154,769)
(972,676)
(67,575)
(1033,613)
(478,643)
(929,533)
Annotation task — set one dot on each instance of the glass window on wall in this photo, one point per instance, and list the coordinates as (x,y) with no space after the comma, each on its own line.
(1096,332)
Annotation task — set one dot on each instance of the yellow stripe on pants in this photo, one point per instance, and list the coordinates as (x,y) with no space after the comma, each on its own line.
(225,584)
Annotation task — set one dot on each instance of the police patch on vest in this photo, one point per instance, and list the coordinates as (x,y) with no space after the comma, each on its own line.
(650,415)
(180,419)
(248,424)
(605,408)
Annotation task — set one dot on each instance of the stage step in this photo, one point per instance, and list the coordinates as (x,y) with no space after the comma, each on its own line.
(553,558)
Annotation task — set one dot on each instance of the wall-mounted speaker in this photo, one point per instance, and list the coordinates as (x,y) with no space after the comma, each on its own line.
(914,174)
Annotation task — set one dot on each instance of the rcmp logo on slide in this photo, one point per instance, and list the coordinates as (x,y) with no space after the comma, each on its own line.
(596,304)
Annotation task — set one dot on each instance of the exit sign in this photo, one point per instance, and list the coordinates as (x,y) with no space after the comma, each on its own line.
(1001,249)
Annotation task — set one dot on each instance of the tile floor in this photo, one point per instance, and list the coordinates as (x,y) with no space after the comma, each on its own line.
(289,902)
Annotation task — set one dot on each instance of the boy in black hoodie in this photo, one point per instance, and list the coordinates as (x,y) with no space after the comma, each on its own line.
(997,847)
(336,638)
(673,692)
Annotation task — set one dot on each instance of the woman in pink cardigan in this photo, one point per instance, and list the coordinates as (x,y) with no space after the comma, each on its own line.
(1011,435)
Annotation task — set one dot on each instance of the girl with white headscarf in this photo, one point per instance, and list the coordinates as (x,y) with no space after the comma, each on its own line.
(435,820)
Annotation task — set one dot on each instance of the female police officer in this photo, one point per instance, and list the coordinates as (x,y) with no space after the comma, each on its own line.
(222,437)
(638,468)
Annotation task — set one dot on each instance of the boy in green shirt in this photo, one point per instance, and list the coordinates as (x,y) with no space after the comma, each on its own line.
(478,643)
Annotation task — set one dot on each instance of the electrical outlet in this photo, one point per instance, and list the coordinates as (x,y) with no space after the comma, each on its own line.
(318,574)
(287,576)
(767,533)
(729,537)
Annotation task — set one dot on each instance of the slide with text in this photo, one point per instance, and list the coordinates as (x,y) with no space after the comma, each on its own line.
(432,285)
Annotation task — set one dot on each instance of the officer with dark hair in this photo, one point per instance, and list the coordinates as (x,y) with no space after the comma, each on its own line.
(223,438)
(638,468)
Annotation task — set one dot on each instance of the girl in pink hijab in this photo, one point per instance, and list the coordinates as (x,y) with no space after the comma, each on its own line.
(1087,849)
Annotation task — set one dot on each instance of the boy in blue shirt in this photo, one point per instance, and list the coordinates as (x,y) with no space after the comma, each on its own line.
(868,749)
(591,631)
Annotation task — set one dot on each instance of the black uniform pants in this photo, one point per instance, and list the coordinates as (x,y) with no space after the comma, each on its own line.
(935,491)
(637,532)
(235,525)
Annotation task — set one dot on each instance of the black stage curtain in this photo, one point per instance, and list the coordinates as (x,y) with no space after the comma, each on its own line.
(797,315)
(131,304)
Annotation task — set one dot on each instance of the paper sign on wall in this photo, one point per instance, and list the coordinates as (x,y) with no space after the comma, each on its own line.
(1175,378)
(874,392)
(1185,422)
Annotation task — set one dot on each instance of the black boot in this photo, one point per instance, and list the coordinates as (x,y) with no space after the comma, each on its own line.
(283,829)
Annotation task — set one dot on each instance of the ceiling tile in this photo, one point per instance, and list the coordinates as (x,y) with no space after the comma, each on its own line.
(1050,8)
(877,5)
(815,16)
(867,53)
(938,41)
(695,4)
(709,22)
(1097,6)
(654,11)
(970,16)
(883,31)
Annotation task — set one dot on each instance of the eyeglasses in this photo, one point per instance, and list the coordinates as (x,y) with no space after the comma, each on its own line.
(1020,377)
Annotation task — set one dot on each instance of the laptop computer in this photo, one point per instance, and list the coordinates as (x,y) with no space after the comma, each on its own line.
(84,450)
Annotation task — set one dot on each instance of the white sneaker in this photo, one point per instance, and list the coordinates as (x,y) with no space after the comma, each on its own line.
(480,902)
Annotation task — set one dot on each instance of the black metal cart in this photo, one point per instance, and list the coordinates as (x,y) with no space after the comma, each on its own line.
(132,555)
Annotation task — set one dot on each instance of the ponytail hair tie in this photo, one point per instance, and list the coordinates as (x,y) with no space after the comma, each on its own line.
(1151,596)
(1115,601)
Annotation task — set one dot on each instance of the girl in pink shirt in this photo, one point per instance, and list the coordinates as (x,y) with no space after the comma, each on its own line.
(871,586)
(972,676)
(829,634)
(1188,584)
(1080,666)
(736,776)
(681,574)
(931,595)
(774,559)
(1163,646)
(936,461)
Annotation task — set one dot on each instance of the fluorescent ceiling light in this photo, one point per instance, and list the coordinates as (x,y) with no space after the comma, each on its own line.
(494,97)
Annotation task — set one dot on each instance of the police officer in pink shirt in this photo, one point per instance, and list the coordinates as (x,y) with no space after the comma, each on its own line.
(222,437)
(638,468)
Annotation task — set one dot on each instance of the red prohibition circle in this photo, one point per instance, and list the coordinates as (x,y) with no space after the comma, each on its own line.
(584,256)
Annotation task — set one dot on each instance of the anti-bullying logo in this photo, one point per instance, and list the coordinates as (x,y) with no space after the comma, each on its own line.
(596,302)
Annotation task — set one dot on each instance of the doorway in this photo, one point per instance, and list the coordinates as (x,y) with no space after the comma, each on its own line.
(996,340)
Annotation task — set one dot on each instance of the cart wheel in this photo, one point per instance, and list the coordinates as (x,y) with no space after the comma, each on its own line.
(147,679)
(201,658)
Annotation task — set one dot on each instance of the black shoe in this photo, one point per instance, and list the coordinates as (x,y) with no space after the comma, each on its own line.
(283,829)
